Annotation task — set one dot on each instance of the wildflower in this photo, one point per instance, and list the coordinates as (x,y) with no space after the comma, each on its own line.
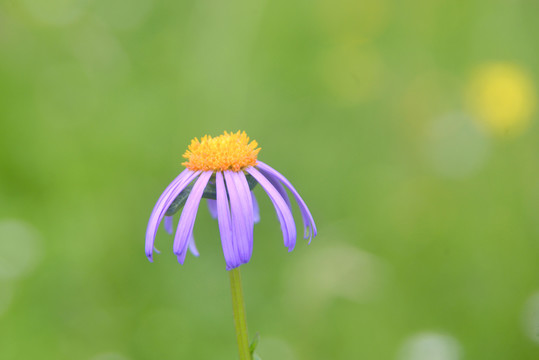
(502,97)
(224,170)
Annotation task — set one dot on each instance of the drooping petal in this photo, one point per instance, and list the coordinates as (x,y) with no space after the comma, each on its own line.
(308,220)
(241,207)
(256,209)
(278,186)
(246,196)
(212,207)
(284,214)
(166,198)
(228,242)
(169,229)
(192,246)
(168,224)
(187,218)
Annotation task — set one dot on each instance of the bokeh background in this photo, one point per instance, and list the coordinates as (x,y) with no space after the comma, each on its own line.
(409,127)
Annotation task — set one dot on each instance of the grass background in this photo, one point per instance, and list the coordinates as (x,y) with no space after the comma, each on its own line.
(428,214)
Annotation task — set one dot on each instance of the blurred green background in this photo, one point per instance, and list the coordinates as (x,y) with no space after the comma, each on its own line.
(409,127)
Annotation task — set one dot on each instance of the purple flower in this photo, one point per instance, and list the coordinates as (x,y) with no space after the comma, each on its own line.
(219,169)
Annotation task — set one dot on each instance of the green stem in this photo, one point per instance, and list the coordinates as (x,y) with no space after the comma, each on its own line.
(240,321)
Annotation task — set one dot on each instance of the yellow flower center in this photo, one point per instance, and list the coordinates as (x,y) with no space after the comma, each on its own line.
(225,152)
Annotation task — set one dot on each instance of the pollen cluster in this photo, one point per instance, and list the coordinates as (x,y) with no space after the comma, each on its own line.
(230,151)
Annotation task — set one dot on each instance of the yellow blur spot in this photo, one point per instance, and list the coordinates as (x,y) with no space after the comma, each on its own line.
(502,97)
(230,151)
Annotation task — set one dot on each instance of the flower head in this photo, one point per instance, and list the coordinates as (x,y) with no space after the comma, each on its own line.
(225,152)
(224,170)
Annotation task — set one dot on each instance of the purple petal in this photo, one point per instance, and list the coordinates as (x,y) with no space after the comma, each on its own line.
(187,218)
(284,214)
(308,221)
(166,198)
(192,246)
(228,242)
(168,224)
(212,207)
(278,186)
(169,229)
(241,207)
(256,209)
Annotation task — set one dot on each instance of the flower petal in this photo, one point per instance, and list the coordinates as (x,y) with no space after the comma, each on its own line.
(166,198)
(169,229)
(168,224)
(187,218)
(284,214)
(228,242)
(241,207)
(278,186)
(192,246)
(308,220)
(256,209)
(212,207)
